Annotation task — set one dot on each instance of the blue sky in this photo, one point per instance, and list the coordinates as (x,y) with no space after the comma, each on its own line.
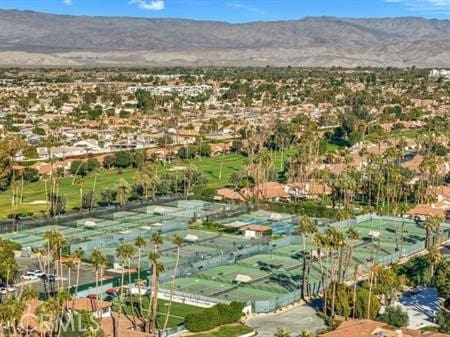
(238,10)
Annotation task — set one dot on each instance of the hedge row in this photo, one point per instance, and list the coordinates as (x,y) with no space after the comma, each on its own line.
(219,314)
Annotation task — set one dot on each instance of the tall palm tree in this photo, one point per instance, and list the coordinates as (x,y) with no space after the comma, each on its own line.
(123,188)
(70,264)
(98,260)
(355,282)
(432,227)
(78,255)
(372,277)
(144,178)
(55,245)
(178,241)
(122,253)
(94,186)
(140,243)
(47,313)
(305,228)
(79,181)
(157,241)
(336,242)
(434,256)
(157,269)
(352,236)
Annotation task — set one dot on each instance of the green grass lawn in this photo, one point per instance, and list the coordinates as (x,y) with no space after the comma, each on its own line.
(177,312)
(34,193)
(227,331)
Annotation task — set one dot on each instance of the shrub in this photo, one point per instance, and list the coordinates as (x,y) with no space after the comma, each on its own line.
(217,315)
(443,319)
(395,317)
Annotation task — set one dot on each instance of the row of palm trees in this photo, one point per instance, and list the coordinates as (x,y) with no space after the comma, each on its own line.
(336,246)
(53,261)
(126,252)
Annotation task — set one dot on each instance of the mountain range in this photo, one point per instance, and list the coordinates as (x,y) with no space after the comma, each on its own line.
(37,39)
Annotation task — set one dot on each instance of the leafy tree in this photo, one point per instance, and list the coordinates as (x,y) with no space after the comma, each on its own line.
(187,152)
(92,164)
(362,301)
(342,304)
(108,195)
(88,200)
(124,114)
(30,174)
(443,319)
(204,150)
(78,167)
(30,152)
(8,264)
(122,159)
(57,204)
(108,161)
(441,278)
(417,271)
(395,316)
(95,113)
(39,131)
(388,284)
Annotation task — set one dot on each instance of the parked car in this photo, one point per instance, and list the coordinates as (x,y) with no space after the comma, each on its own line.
(30,276)
(39,273)
(52,278)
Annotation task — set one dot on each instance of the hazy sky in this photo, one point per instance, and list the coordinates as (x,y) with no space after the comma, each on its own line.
(238,10)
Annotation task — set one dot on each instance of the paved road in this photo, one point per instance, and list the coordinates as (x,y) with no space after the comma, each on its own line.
(301,317)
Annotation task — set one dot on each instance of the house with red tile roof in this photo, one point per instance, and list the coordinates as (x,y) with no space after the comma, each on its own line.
(370,328)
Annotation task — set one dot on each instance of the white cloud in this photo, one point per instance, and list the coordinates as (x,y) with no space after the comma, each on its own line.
(244,7)
(67,2)
(149,5)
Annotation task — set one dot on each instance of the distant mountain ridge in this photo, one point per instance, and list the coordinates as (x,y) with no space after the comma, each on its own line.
(32,39)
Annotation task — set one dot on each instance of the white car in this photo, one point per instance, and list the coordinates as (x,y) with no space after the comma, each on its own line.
(30,276)
(38,273)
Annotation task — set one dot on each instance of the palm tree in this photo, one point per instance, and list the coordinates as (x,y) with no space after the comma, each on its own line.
(55,244)
(434,256)
(123,188)
(94,186)
(124,252)
(78,255)
(372,277)
(336,242)
(432,226)
(156,240)
(70,264)
(98,260)
(47,313)
(355,281)
(79,181)
(352,236)
(305,227)
(140,243)
(144,178)
(178,241)
(28,294)
(62,297)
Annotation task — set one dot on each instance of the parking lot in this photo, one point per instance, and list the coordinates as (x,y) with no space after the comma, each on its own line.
(87,273)
(296,319)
